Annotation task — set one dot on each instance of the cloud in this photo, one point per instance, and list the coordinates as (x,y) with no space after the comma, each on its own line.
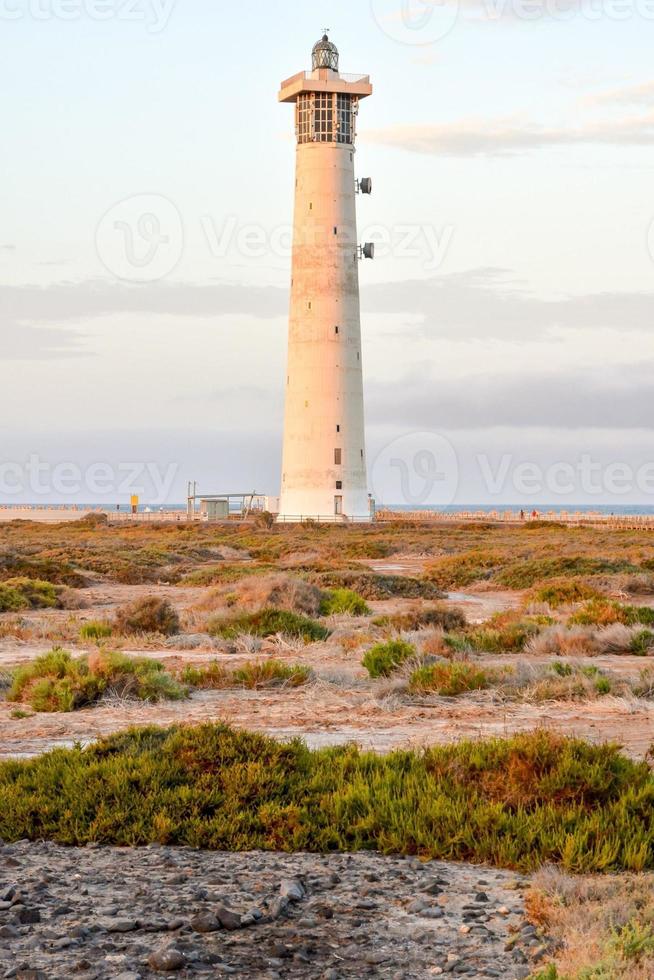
(483,303)
(507,137)
(575,400)
(489,303)
(29,343)
(642,94)
(64,307)
(68,301)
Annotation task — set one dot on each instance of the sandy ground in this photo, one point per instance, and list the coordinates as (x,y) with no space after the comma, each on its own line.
(324,717)
(341,706)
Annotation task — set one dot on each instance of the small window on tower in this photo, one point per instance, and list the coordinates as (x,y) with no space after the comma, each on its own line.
(337,457)
(309,304)
(338,428)
(336,329)
(310,206)
(339,484)
(335,230)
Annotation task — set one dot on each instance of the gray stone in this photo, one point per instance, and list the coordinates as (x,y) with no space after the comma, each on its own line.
(433,888)
(292,889)
(28,916)
(376,958)
(166,958)
(279,907)
(229,920)
(432,913)
(206,922)
(120,925)
(327,915)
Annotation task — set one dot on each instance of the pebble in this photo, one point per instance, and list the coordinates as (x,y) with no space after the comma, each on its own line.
(166,958)
(291,889)
(205,922)
(133,913)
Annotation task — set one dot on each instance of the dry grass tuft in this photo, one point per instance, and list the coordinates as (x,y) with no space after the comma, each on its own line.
(148,615)
(601,926)
(257,592)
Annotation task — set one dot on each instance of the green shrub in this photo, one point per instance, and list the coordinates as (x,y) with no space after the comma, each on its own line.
(148,615)
(603,686)
(268,622)
(606,612)
(344,602)
(633,941)
(564,592)
(439,617)
(640,615)
(271,673)
(458,643)
(525,574)
(56,681)
(372,587)
(208,677)
(549,973)
(457,571)
(519,802)
(503,633)
(225,573)
(562,669)
(95,631)
(369,547)
(450,679)
(57,571)
(267,673)
(642,643)
(27,593)
(382,659)
(11,600)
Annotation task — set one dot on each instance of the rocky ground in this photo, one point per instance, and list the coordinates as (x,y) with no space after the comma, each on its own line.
(127,913)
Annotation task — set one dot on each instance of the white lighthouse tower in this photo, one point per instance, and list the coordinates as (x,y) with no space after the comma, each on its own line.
(324,462)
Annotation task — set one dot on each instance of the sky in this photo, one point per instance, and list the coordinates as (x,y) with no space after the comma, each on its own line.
(147,174)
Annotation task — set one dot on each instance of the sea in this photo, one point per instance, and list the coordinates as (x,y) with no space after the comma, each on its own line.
(542,508)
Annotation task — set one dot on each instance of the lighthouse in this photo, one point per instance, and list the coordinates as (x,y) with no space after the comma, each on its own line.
(324,466)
